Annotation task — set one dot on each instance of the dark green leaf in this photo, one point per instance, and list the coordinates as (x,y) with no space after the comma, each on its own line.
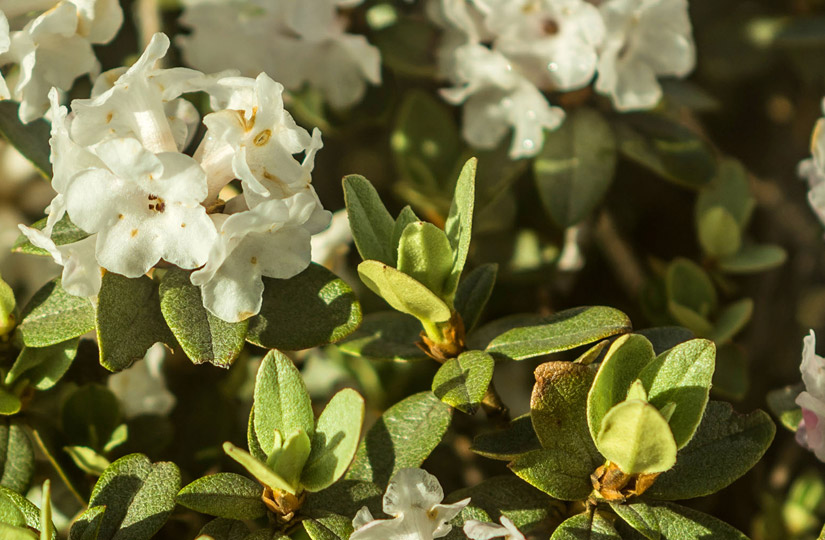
(507,444)
(406,46)
(576,166)
(138,496)
(329,527)
(403,437)
(459,225)
(345,497)
(732,376)
(314,308)
(560,332)
(202,336)
(668,521)
(224,529)
(729,190)
(53,316)
(725,447)
(31,140)
(588,526)
(731,320)
(462,382)
(782,403)
(386,335)
(16,456)
(753,258)
(473,293)
(226,495)
(129,320)
(371,223)
(90,415)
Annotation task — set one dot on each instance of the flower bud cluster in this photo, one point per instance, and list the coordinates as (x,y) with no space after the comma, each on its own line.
(504,55)
(297,42)
(51,43)
(121,175)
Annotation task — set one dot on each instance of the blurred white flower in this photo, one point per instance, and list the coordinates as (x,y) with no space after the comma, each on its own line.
(271,239)
(413,498)
(5,42)
(141,389)
(145,207)
(331,246)
(479,530)
(646,39)
(55,48)
(295,41)
(812,169)
(497,98)
(811,431)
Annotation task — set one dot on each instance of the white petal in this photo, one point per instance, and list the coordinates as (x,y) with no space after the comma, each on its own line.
(141,389)
(235,291)
(411,488)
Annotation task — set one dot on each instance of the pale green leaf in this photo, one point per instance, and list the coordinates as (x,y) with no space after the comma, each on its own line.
(289,461)
(753,258)
(402,292)
(259,470)
(637,438)
(43,366)
(719,233)
(424,253)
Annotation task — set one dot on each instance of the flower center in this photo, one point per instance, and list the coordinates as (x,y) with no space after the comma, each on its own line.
(157,204)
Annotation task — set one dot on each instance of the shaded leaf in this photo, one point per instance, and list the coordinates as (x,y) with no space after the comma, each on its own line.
(753,258)
(16,456)
(31,140)
(53,316)
(462,382)
(507,444)
(588,526)
(473,293)
(386,335)
(371,223)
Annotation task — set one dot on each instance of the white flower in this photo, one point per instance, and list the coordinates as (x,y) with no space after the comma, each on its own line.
(812,169)
(138,103)
(554,41)
(330,247)
(479,530)
(141,389)
(55,48)
(499,98)
(144,207)
(252,137)
(413,498)
(271,239)
(646,39)
(81,273)
(295,41)
(5,42)
(811,431)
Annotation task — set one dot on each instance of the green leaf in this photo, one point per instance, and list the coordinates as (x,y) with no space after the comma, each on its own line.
(588,526)
(559,332)
(459,225)
(729,190)
(53,316)
(9,403)
(223,529)
(667,521)
(129,320)
(335,440)
(402,292)
(753,258)
(386,335)
(43,366)
(689,286)
(314,308)
(782,403)
(16,456)
(9,532)
(731,378)
(725,447)
(731,320)
(507,444)
(636,437)
(558,411)
(225,495)
(31,140)
(202,336)
(425,141)
(47,529)
(371,223)
(682,376)
(462,382)
(288,462)
(667,148)
(90,414)
(345,497)
(17,511)
(625,359)
(719,233)
(259,470)
(64,232)
(424,253)
(527,507)
(87,460)
(138,495)
(329,527)
(576,166)
(403,437)
(8,305)
(281,401)
(406,45)
(405,217)
(473,293)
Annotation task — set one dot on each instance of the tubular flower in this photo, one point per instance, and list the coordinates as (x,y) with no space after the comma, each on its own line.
(811,431)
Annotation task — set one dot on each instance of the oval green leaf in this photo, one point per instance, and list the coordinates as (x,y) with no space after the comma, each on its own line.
(462,382)
(402,292)
(637,438)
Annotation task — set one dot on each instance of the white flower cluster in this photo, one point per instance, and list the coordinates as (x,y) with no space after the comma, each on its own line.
(813,169)
(413,499)
(297,42)
(51,43)
(504,55)
(121,175)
